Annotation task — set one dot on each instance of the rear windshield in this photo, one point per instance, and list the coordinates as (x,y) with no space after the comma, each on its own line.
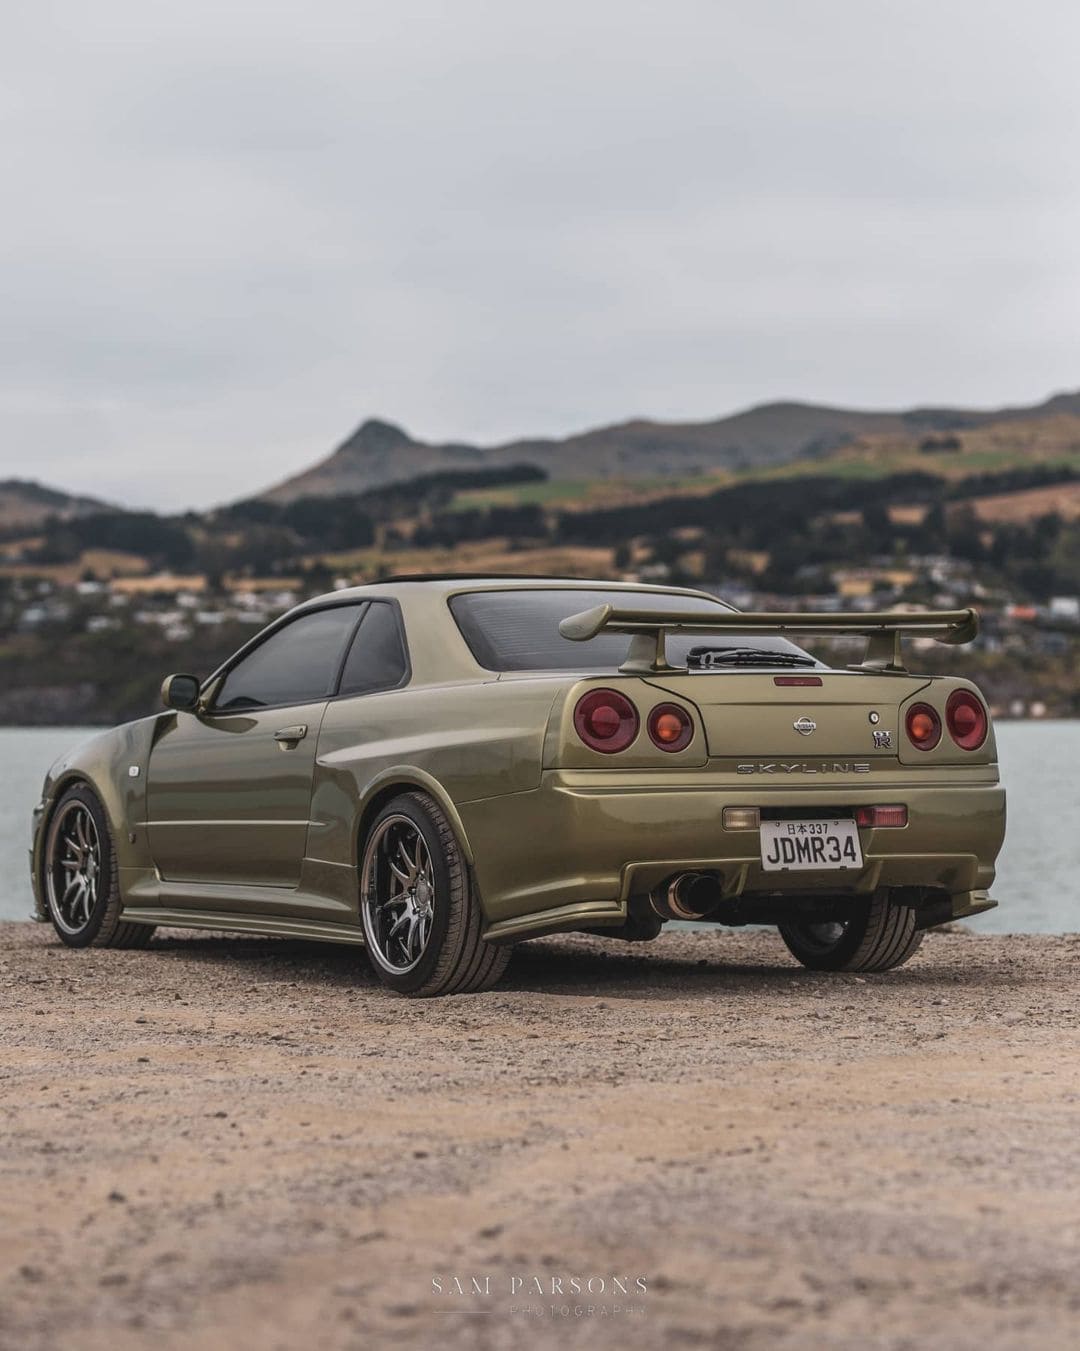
(518,630)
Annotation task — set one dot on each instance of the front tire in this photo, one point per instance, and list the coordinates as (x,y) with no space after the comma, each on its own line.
(879,936)
(79,878)
(418,905)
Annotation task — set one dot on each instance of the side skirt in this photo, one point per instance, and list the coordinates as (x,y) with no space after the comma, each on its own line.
(276,926)
(564,919)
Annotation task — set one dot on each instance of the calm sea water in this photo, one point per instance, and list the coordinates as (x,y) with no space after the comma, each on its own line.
(1038,886)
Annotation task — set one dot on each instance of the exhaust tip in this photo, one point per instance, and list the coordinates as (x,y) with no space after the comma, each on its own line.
(688,896)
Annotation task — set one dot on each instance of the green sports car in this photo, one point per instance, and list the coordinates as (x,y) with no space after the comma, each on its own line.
(435,768)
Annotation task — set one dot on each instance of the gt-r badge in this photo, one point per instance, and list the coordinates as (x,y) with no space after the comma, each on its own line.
(804,726)
(882,741)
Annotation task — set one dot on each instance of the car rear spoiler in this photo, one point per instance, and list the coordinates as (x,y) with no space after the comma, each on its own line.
(882,630)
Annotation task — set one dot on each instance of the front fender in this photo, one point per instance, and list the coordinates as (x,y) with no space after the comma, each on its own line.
(105,762)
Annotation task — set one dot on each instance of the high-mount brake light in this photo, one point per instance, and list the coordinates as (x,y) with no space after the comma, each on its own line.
(797,680)
(923,727)
(967,720)
(606,721)
(670,727)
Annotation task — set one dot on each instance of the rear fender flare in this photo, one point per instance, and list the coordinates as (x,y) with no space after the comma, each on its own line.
(403,778)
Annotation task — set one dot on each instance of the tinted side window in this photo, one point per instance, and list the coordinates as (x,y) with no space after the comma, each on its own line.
(376,660)
(296,665)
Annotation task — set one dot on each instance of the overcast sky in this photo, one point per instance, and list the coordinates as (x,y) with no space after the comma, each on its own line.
(231,231)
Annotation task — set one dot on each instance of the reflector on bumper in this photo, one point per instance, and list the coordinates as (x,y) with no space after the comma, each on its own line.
(893,815)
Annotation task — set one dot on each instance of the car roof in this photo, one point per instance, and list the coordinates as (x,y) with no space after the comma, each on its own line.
(438,651)
(448,583)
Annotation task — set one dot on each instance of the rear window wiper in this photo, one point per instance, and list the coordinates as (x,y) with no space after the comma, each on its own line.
(710,658)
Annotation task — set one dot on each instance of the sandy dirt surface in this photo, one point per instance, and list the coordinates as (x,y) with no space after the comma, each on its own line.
(222,1142)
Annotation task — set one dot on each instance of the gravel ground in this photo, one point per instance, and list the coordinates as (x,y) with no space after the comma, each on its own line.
(222,1142)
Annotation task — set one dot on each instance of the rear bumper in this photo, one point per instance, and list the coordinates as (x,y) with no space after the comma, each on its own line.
(583,844)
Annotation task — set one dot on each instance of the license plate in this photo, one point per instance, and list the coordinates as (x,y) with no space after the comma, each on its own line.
(809,846)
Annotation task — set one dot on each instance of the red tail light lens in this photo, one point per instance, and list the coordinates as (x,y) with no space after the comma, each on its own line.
(606,721)
(966,720)
(670,727)
(923,727)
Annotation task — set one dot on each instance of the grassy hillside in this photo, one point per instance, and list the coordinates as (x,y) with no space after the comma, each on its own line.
(1052,442)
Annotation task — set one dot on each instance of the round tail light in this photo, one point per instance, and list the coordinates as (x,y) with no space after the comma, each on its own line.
(606,721)
(670,727)
(923,727)
(966,720)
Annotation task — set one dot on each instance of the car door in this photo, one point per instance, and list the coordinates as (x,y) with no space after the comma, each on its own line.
(229,788)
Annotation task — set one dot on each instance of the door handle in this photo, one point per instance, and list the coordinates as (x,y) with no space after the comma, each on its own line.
(289,737)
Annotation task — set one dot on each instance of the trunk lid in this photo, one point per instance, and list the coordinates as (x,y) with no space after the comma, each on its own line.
(748,713)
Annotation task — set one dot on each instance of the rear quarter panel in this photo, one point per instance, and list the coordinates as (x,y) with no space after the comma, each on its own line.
(462,742)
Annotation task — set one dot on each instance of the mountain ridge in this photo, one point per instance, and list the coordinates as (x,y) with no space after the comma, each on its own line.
(380,452)
(27,503)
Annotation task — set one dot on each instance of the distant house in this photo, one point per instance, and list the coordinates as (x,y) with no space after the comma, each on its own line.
(852,582)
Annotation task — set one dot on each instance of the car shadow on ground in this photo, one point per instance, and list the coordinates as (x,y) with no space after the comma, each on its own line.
(585,966)
(646,972)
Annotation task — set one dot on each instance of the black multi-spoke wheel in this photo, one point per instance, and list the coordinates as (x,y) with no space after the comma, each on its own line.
(419,908)
(399,897)
(74,868)
(879,935)
(79,877)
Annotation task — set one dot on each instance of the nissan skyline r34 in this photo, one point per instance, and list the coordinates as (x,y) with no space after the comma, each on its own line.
(436,768)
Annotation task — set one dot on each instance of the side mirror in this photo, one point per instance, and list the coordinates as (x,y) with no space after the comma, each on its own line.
(180,691)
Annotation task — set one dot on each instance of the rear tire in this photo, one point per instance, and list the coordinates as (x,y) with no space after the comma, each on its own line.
(79,880)
(881,935)
(419,907)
